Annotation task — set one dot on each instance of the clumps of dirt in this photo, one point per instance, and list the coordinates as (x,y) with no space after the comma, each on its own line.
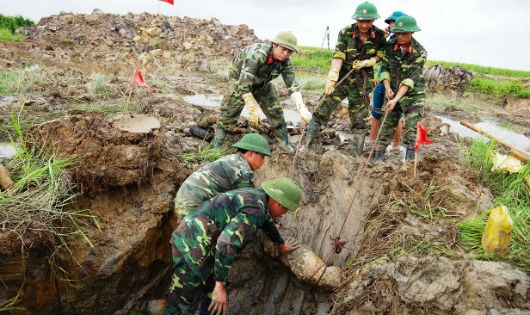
(452,80)
(106,156)
(80,40)
(30,235)
(435,285)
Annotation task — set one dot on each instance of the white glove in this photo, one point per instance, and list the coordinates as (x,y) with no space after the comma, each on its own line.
(333,76)
(364,63)
(252,107)
(305,115)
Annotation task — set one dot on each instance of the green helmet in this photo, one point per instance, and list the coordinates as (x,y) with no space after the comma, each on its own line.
(365,12)
(284,190)
(287,40)
(405,24)
(253,142)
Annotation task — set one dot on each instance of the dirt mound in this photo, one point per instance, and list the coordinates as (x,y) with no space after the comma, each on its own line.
(105,41)
(436,285)
(452,80)
(109,152)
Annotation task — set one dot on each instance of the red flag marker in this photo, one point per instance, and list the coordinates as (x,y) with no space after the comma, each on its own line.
(138,80)
(421,137)
(168,1)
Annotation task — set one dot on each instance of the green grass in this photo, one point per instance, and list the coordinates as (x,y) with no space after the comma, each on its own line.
(206,155)
(312,59)
(20,81)
(98,84)
(499,88)
(482,69)
(509,190)
(6,34)
(42,188)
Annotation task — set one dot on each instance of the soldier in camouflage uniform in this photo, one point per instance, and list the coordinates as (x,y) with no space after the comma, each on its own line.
(254,68)
(206,242)
(404,85)
(359,47)
(227,173)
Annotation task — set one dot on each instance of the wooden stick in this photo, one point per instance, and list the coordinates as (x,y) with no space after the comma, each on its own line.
(519,154)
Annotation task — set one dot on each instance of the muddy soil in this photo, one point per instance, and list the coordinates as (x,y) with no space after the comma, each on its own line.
(351,211)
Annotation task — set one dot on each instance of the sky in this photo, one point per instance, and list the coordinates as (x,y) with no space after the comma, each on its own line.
(483,32)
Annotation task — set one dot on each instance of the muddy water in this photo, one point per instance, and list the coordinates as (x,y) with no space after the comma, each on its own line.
(491,127)
(7,151)
(291,116)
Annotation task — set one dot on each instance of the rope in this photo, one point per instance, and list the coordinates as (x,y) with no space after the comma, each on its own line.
(337,244)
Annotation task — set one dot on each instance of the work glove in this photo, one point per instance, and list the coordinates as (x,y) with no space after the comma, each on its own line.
(358,65)
(333,76)
(305,115)
(252,107)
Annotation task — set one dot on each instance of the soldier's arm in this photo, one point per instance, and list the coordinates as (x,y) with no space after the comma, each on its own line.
(272,232)
(289,77)
(233,238)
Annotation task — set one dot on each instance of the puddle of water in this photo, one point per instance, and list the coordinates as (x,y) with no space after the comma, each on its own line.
(291,116)
(7,151)
(491,127)
(203,100)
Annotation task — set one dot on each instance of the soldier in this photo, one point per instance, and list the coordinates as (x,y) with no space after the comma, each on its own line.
(404,85)
(227,173)
(254,68)
(379,92)
(206,242)
(359,47)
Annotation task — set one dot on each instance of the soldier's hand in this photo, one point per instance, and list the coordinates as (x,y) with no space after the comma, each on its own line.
(219,300)
(390,105)
(290,245)
(252,107)
(333,77)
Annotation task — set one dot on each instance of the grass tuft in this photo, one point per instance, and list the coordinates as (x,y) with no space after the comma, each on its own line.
(510,190)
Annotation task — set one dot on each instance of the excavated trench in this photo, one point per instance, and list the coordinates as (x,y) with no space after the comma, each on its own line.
(129,185)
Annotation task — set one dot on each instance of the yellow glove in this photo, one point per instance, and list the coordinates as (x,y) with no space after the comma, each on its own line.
(305,115)
(252,107)
(357,65)
(333,76)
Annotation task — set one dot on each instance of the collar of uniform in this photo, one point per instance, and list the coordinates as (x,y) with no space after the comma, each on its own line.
(409,49)
(357,32)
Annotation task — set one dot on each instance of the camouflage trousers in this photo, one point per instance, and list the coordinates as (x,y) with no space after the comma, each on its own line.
(186,290)
(411,108)
(356,89)
(233,104)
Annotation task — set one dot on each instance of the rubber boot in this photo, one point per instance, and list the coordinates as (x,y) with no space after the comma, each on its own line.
(379,156)
(283,139)
(358,144)
(409,155)
(311,134)
(220,136)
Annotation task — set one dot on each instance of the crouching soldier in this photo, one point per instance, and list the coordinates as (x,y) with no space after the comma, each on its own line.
(206,242)
(227,173)
(253,69)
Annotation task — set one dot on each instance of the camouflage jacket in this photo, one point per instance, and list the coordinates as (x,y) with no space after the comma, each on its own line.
(227,173)
(404,67)
(254,67)
(210,238)
(350,47)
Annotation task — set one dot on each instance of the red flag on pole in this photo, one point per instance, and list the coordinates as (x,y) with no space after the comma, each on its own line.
(138,80)
(421,137)
(168,1)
